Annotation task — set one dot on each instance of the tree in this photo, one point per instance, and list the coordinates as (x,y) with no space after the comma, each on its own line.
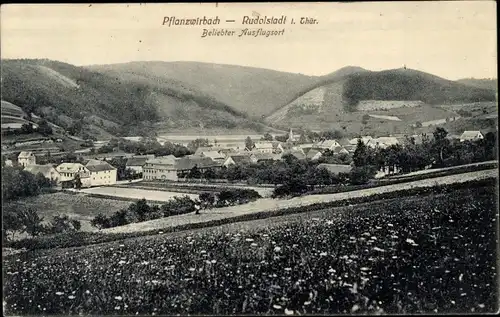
(268,137)
(207,200)
(195,144)
(418,124)
(12,222)
(78,181)
(31,221)
(194,173)
(440,146)
(100,222)
(249,144)
(44,128)
(360,156)
(361,175)
(27,128)
(365,119)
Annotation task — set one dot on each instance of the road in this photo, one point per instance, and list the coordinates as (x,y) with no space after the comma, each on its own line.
(268,204)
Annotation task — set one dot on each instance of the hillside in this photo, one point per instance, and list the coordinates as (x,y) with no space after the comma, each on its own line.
(486,83)
(386,102)
(250,90)
(128,104)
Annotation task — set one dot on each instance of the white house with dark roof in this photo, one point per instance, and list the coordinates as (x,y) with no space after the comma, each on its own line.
(68,172)
(471,136)
(26,158)
(263,147)
(101,173)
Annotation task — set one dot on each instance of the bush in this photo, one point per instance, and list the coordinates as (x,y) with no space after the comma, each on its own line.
(361,175)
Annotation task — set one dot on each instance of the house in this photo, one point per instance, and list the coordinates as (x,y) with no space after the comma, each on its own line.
(277,147)
(239,159)
(344,142)
(471,136)
(137,162)
(101,173)
(26,158)
(364,139)
(68,171)
(264,147)
(202,149)
(339,150)
(184,165)
(313,154)
(46,170)
(336,168)
(383,142)
(326,144)
(160,168)
(214,155)
(299,154)
(260,157)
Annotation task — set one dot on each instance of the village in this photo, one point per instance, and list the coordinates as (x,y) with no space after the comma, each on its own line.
(96,171)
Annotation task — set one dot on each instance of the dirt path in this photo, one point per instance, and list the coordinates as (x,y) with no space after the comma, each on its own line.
(268,204)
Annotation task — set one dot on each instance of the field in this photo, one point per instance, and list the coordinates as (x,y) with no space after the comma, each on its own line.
(134,193)
(76,206)
(413,255)
(269,204)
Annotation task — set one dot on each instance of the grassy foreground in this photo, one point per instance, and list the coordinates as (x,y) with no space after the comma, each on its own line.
(411,255)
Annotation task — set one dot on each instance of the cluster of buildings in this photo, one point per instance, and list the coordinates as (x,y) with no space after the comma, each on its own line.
(100,173)
(92,173)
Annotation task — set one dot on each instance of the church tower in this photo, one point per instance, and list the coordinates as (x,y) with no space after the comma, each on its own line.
(290,136)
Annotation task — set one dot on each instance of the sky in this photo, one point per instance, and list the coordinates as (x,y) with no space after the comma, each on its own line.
(454,40)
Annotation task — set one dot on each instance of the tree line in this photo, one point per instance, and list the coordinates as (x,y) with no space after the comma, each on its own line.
(141,211)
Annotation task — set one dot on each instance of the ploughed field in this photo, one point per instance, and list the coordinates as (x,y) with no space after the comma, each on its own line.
(418,254)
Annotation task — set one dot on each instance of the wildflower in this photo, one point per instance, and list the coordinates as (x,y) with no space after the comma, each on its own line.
(288,312)
(122,262)
(460,277)
(277,249)
(288,269)
(87,292)
(71,297)
(276,306)
(117,308)
(213,261)
(118,298)
(122,245)
(59,293)
(481,305)
(307,303)
(323,254)
(378,249)
(191,269)
(249,240)
(355,308)
(410,241)
(365,269)
(254,244)
(390,225)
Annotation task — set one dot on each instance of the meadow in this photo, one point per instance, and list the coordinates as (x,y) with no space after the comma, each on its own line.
(76,206)
(411,255)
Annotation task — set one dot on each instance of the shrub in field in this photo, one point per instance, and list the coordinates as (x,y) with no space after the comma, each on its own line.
(60,224)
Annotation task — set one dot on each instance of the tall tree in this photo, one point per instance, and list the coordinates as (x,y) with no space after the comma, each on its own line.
(249,144)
